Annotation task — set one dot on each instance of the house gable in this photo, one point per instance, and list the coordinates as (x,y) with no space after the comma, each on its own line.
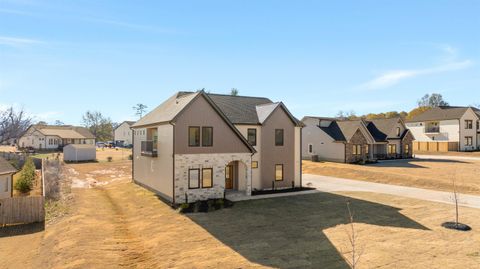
(200,112)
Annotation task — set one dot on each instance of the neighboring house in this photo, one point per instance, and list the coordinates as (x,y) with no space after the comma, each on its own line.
(352,141)
(6,178)
(457,125)
(122,135)
(52,137)
(198,146)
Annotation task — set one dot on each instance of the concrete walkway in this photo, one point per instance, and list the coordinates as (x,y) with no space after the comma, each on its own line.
(447,157)
(332,184)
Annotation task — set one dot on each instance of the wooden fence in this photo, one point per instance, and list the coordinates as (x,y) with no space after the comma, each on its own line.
(19,210)
(435,146)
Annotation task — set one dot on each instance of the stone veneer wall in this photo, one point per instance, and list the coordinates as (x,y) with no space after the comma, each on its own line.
(357,139)
(408,140)
(184,162)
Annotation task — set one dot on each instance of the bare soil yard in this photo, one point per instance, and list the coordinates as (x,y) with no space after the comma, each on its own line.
(421,173)
(113,223)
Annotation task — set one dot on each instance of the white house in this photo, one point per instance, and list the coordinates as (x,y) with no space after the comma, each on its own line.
(6,178)
(52,137)
(448,124)
(123,134)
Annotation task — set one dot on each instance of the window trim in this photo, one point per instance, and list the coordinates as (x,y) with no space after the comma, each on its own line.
(357,150)
(253,166)
(211,173)
(202,136)
(199,136)
(283,138)
(192,169)
(248,136)
(468,124)
(467,138)
(283,175)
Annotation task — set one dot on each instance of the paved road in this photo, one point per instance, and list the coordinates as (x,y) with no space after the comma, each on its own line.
(332,184)
(447,157)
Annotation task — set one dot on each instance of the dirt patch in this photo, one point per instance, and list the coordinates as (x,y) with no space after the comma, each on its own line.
(429,174)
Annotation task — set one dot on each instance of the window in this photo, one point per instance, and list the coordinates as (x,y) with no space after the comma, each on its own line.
(398,131)
(207,136)
(310,148)
(478,125)
(278,172)
(254,164)
(278,137)
(468,124)
(207,177)
(367,149)
(194,136)
(194,178)
(252,136)
(407,149)
(468,141)
(392,149)
(357,150)
(5,185)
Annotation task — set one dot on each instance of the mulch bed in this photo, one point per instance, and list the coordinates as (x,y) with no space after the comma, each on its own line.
(205,206)
(281,191)
(457,226)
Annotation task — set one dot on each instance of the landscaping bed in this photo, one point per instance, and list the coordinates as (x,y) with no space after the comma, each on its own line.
(260,192)
(205,206)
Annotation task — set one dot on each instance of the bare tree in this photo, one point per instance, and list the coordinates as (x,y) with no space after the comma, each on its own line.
(100,126)
(13,123)
(233,92)
(353,256)
(59,122)
(455,199)
(347,115)
(432,100)
(140,109)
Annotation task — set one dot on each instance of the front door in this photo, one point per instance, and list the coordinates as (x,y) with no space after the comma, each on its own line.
(229,177)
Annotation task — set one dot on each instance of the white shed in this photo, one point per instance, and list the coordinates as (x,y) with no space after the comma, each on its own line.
(79,153)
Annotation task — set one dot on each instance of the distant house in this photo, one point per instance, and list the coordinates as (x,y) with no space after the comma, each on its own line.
(199,146)
(52,137)
(6,178)
(351,141)
(459,126)
(122,135)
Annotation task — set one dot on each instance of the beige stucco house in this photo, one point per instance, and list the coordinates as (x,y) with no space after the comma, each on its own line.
(6,178)
(456,125)
(52,137)
(198,146)
(352,141)
(122,134)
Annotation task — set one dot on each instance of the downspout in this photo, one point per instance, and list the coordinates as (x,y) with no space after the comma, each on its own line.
(133,154)
(459,135)
(345,152)
(173,165)
(301,162)
(251,174)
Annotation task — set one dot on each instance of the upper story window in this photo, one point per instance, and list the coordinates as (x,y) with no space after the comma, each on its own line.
(398,131)
(432,127)
(252,136)
(278,137)
(149,147)
(468,124)
(194,136)
(207,136)
(478,125)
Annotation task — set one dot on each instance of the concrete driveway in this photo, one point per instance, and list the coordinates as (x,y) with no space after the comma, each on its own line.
(447,157)
(332,184)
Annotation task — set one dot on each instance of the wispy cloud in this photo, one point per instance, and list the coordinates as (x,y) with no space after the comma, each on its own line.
(18,41)
(448,63)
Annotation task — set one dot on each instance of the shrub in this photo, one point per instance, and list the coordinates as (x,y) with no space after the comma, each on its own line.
(109,159)
(24,183)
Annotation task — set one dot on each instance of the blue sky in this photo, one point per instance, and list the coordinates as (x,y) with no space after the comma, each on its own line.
(59,59)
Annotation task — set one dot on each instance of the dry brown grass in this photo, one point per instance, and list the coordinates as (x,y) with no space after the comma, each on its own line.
(429,174)
(450,153)
(121,225)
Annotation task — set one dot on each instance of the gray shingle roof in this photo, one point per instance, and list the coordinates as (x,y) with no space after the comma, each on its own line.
(441,113)
(334,131)
(239,109)
(6,167)
(65,131)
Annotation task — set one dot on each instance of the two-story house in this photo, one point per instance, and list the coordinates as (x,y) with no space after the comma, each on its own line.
(459,126)
(199,146)
(122,134)
(52,137)
(352,141)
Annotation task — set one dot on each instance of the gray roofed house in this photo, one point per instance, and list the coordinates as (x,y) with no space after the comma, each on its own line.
(52,137)
(198,145)
(457,127)
(6,178)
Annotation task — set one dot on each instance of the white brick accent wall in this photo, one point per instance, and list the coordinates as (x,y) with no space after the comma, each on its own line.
(184,162)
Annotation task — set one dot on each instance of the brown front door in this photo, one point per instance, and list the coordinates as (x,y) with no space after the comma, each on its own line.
(229,177)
